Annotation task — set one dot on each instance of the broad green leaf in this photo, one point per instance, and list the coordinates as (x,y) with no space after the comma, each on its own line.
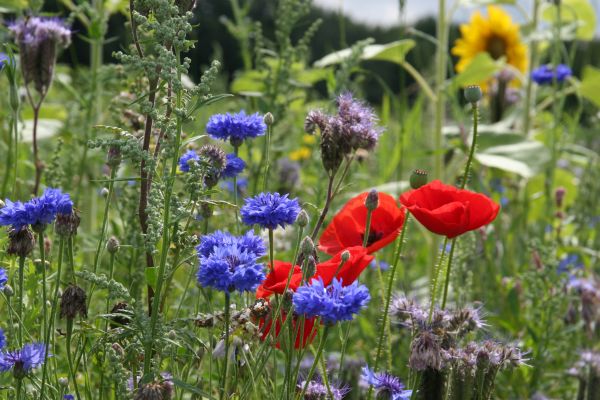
(580,12)
(151,276)
(590,84)
(249,81)
(392,52)
(482,68)
(525,158)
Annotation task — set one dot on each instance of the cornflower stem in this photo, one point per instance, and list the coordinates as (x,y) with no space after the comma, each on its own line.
(225,362)
(267,157)
(155,303)
(72,371)
(9,161)
(21,305)
(328,199)
(19,389)
(50,326)
(436,276)
(447,280)
(44,293)
(236,151)
(36,159)
(315,362)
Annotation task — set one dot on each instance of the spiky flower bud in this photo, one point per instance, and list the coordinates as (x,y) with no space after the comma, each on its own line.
(66,224)
(473,94)
(425,352)
(302,220)
(269,119)
(216,160)
(21,242)
(114,156)
(113,245)
(307,246)
(73,303)
(418,178)
(372,200)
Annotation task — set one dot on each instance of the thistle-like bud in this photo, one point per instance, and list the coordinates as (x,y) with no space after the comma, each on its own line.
(473,94)
(425,352)
(21,242)
(418,178)
(302,220)
(73,303)
(114,157)
(269,119)
(66,224)
(307,246)
(310,267)
(113,245)
(372,200)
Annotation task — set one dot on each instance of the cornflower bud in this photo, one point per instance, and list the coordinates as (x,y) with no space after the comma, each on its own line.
(302,220)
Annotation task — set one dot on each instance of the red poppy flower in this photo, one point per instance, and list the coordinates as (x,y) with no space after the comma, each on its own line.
(350,271)
(347,228)
(447,210)
(276,280)
(301,338)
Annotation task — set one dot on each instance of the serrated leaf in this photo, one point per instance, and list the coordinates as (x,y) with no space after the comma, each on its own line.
(482,68)
(590,84)
(392,52)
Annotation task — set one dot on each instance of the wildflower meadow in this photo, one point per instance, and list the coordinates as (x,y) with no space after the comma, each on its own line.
(266,199)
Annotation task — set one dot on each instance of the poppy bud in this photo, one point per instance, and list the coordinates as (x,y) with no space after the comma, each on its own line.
(307,246)
(269,119)
(372,200)
(21,242)
(302,220)
(345,255)
(73,302)
(418,178)
(473,94)
(112,245)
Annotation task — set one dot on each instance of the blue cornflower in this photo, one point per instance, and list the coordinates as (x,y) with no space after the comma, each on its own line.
(384,266)
(242,185)
(569,263)
(3,279)
(545,74)
(2,339)
(230,263)
(332,303)
(386,386)
(24,360)
(270,210)
(68,397)
(234,166)
(37,211)
(3,60)
(184,160)
(236,127)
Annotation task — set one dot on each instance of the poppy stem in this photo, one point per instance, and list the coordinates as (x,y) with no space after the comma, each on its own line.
(367,229)
(386,309)
(475,109)
(271,266)
(315,231)
(436,275)
(447,281)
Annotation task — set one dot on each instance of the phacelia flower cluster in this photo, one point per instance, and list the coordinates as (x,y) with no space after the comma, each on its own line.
(39,39)
(39,211)
(229,263)
(236,127)
(545,74)
(269,210)
(332,303)
(317,390)
(354,127)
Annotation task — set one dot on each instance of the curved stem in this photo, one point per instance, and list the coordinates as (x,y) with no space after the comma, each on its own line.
(475,109)
(225,364)
(315,362)
(72,371)
(447,281)
(21,305)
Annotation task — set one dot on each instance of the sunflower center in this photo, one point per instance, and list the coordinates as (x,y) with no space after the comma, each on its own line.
(496,47)
(373,237)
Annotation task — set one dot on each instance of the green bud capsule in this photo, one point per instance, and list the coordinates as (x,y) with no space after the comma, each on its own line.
(302,220)
(345,255)
(473,93)
(418,178)
(269,119)
(307,246)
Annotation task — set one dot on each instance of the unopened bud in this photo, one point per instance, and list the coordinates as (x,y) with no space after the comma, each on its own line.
(63,381)
(345,255)
(113,158)
(418,178)
(112,245)
(310,267)
(8,291)
(269,119)
(302,220)
(307,246)
(473,94)
(372,200)
(559,196)
(206,210)
(104,192)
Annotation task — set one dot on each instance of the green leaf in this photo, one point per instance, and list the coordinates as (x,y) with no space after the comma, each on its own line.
(590,84)
(479,70)
(151,276)
(190,388)
(579,12)
(525,158)
(249,81)
(393,52)
(8,6)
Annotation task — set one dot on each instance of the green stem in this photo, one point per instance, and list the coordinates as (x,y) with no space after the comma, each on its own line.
(236,150)
(267,157)
(72,371)
(447,280)
(436,277)
(44,293)
(533,55)
(50,327)
(21,305)
(475,109)
(225,363)
(388,299)
(440,79)
(367,228)
(315,362)
(271,256)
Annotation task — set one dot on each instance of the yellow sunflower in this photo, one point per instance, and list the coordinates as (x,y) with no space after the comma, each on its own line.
(496,35)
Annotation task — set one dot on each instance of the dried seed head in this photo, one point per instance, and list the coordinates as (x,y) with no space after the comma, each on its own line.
(21,242)
(66,224)
(112,245)
(73,302)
